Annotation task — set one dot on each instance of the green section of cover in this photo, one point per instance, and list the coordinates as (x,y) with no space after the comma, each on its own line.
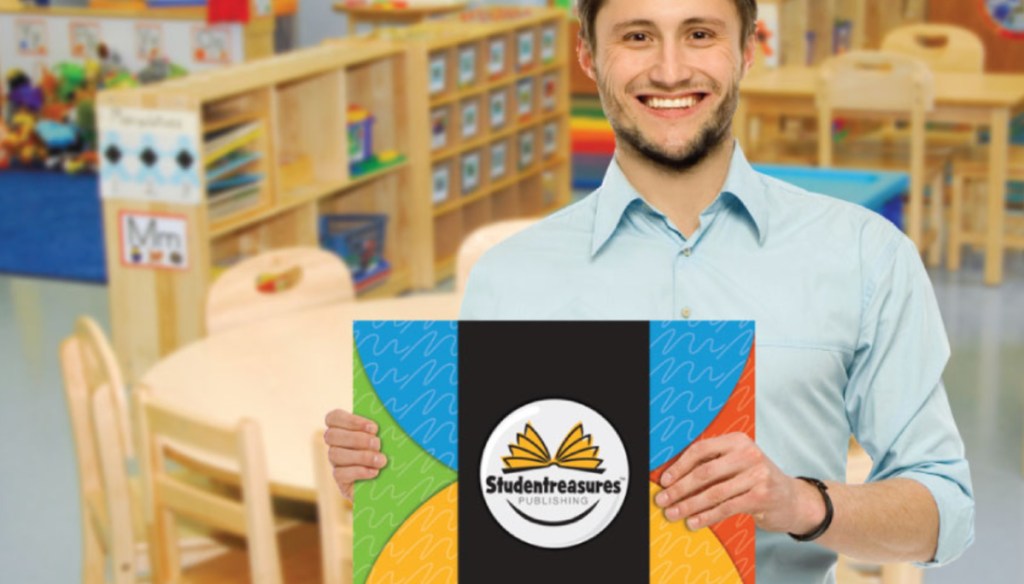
(410,479)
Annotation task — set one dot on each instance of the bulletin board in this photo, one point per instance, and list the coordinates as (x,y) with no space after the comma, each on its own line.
(32,40)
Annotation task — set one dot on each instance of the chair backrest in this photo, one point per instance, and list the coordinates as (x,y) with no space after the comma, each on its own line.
(276,282)
(478,242)
(103,446)
(334,516)
(874,84)
(163,432)
(944,47)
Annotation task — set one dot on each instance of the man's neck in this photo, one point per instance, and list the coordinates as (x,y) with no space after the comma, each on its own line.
(680,196)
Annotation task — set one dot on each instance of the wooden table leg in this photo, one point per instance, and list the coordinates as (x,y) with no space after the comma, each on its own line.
(996,208)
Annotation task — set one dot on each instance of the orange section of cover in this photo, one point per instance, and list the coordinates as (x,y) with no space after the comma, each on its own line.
(735,533)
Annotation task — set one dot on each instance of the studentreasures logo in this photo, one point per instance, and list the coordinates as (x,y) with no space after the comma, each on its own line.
(554,500)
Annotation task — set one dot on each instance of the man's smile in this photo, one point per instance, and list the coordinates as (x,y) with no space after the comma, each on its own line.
(671,106)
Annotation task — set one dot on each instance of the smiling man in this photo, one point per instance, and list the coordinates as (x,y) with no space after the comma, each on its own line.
(849,336)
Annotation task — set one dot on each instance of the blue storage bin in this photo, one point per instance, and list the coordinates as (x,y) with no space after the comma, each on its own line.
(359,241)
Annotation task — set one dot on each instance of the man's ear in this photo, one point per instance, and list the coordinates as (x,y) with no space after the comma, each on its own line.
(585,58)
(748,53)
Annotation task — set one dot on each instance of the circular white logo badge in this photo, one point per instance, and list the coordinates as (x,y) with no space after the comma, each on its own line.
(554,473)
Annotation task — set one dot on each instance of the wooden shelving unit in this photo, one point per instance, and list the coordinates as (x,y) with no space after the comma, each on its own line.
(505,148)
(498,117)
(296,106)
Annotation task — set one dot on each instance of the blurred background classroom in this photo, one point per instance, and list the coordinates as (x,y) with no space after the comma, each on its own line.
(189,186)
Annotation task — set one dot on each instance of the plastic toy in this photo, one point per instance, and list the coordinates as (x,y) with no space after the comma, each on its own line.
(21,143)
(5,160)
(360,137)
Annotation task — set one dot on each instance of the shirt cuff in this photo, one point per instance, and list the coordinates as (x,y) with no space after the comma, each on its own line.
(956,516)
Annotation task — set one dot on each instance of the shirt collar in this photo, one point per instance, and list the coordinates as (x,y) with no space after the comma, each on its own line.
(616,194)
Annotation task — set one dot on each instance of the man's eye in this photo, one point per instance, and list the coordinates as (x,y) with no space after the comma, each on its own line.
(701,35)
(637,37)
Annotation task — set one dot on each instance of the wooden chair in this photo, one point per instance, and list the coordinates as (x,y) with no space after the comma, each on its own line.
(968,202)
(858,466)
(334,515)
(875,85)
(478,242)
(99,422)
(170,498)
(276,282)
(943,47)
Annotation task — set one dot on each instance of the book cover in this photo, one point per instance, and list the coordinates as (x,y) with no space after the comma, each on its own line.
(534,449)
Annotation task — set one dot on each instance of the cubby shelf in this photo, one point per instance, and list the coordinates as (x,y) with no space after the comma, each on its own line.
(498,103)
(272,142)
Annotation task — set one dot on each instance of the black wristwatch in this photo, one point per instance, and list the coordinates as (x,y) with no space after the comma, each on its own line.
(827,521)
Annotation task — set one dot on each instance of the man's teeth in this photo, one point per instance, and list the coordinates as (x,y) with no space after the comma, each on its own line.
(672,103)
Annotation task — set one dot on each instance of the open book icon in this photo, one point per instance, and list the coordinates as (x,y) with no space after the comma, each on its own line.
(577,452)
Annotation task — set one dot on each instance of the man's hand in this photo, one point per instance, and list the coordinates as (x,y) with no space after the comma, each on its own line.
(353,449)
(725,475)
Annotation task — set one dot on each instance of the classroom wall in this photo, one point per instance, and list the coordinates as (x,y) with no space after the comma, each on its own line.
(1001,53)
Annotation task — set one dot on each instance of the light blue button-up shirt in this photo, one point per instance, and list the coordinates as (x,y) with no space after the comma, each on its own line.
(849,335)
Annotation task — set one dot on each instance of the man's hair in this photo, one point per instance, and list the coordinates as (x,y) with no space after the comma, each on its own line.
(588,9)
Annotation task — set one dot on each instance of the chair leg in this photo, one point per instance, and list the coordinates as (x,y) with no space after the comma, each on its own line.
(956,224)
(938,202)
(901,574)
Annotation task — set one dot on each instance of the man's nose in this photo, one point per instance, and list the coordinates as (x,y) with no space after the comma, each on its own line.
(672,66)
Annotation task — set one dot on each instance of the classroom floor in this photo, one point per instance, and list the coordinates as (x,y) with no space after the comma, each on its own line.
(39,521)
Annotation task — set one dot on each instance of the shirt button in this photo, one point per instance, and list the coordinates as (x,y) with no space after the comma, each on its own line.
(687,252)
(685,313)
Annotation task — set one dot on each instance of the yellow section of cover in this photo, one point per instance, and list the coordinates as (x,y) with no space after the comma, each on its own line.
(425,548)
(679,555)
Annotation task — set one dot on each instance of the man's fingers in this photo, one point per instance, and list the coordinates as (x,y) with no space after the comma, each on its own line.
(351,439)
(348,457)
(349,421)
(703,503)
(347,475)
(702,477)
(697,453)
(720,512)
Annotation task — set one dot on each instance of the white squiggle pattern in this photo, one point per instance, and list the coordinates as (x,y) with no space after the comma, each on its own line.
(694,367)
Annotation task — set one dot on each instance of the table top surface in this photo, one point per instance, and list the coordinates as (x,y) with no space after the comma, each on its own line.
(868,188)
(285,373)
(965,89)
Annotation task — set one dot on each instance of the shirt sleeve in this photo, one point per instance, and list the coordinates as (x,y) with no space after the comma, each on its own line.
(895,398)
(477,300)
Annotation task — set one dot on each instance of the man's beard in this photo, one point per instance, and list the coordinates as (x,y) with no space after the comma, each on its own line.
(710,136)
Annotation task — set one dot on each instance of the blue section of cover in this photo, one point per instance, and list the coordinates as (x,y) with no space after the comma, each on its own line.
(694,368)
(413,366)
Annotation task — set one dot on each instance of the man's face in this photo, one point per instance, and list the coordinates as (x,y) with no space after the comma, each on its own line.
(668,74)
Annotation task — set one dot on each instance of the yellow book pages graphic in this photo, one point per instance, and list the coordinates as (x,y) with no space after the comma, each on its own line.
(680,555)
(576,452)
(424,550)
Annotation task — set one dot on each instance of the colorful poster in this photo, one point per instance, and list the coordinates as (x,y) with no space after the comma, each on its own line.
(536,448)
(31,38)
(149,40)
(85,37)
(153,240)
(149,155)
(212,44)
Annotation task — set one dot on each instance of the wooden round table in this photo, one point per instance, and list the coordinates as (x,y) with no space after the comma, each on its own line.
(373,14)
(285,373)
